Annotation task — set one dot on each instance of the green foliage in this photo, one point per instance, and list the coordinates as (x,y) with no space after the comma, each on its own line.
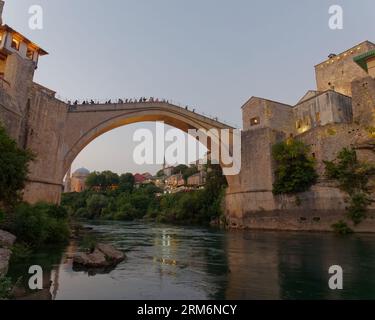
(21,251)
(127,182)
(39,224)
(353,177)
(1,215)
(89,243)
(181,168)
(95,204)
(143,203)
(351,174)
(102,181)
(160,173)
(13,169)
(341,228)
(295,169)
(5,288)
(358,207)
(196,207)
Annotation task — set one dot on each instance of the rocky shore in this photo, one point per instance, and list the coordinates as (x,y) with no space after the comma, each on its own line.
(6,242)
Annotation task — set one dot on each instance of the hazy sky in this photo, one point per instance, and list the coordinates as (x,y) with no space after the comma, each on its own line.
(213,54)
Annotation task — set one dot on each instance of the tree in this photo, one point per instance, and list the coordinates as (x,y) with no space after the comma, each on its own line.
(180,168)
(95,204)
(13,169)
(94,180)
(110,179)
(103,180)
(127,182)
(160,173)
(295,169)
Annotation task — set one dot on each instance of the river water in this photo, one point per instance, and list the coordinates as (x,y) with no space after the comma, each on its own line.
(173,262)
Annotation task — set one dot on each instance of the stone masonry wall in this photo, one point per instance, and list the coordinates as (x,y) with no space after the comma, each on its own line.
(44,132)
(252,205)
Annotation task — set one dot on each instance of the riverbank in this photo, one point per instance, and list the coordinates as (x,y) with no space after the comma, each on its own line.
(299,220)
(6,243)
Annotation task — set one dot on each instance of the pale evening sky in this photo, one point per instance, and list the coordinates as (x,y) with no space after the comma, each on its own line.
(212,54)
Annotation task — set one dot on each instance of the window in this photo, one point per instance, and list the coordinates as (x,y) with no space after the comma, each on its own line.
(15,44)
(298,124)
(30,54)
(254,121)
(1,37)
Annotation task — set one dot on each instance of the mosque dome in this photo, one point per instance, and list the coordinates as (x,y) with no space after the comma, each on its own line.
(81,172)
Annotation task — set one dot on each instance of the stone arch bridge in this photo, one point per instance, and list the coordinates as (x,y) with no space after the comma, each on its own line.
(58,137)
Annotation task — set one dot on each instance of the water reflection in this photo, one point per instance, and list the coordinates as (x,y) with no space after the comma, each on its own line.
(166,262)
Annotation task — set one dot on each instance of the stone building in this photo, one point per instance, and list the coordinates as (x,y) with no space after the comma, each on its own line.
(197,180)
(78,180)
(175,181)
(339,113)
(338,71)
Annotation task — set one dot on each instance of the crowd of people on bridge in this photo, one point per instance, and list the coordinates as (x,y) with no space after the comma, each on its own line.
(118,101)
(76,103)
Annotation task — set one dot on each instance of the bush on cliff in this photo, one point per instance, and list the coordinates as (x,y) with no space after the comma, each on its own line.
(13,169)
(295,168)
(353,177)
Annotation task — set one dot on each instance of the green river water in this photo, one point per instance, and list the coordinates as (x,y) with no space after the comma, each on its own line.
(175,262)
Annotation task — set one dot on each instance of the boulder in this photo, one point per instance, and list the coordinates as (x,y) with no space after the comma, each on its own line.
(6,239)
(103,256)
(95,259)
(112,255)
(4,261)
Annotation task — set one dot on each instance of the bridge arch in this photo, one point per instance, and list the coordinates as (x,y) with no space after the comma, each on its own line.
(84,123)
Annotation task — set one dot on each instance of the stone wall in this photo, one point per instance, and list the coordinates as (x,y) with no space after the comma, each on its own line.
(251,190)
(364,101)
(44,134)
(250,202)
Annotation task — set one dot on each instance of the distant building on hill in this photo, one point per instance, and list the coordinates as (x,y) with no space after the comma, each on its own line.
(139,178)
(197,180)
(78,180)
(175,181)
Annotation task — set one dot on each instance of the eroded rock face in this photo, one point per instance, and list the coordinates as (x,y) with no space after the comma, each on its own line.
(4,261)
(104,255)
(6,239)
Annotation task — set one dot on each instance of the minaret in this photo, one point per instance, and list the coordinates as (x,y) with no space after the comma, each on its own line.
(1,11)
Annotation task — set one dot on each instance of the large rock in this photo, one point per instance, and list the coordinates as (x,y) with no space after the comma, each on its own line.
(4,261)
(104,255)
(6,239)
(91,260)
(112,255)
